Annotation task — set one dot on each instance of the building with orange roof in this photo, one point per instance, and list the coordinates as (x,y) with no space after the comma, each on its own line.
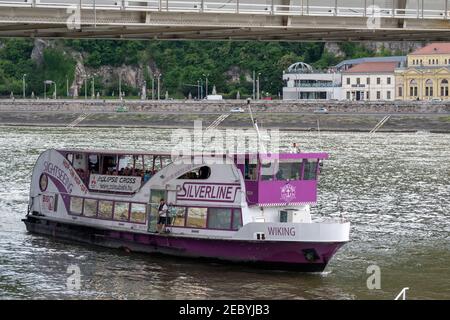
(427,74)
(372,81)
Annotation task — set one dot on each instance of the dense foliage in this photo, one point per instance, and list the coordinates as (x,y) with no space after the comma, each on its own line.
(182,63)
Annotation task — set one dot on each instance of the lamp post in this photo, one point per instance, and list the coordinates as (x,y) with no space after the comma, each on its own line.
(93,88)
(120,85)
(153,87)
(253,82)
(159,88)
(85,87)
(198,89)
(206,86)
(54,92)
(257,86)
(67,86)
(23,84)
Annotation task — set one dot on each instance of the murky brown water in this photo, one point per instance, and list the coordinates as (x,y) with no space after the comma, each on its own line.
(395,189)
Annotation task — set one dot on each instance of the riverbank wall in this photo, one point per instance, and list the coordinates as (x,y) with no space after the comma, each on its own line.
(356,117)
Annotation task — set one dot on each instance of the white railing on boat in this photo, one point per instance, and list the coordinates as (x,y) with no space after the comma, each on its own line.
(235,7)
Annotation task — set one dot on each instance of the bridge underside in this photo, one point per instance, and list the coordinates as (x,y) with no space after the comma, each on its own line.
(42,23)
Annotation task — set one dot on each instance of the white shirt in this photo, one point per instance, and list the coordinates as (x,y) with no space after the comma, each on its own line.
(163,212)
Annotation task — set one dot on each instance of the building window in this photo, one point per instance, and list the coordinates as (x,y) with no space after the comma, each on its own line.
(429,61)
(413,88)
(368,80)
(429,88)
(389,80)
(368,95)
(444,88)
(388,95)
(348,95)
(358,80)
(378,80)
(348,80)
(400,91)
(378,95)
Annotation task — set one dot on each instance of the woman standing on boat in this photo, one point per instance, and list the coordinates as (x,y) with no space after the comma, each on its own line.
(162,212)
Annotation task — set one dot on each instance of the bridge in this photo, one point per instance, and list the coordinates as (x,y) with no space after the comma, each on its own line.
(278,20)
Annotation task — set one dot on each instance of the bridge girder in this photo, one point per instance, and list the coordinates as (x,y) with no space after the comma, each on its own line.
(117,24)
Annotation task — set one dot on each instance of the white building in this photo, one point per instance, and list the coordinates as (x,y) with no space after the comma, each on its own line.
(370,81)
(302,82)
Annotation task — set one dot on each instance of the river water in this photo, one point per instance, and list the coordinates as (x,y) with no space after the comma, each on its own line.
(394,188)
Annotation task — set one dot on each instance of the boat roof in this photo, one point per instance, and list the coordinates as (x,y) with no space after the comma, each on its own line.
(269,156)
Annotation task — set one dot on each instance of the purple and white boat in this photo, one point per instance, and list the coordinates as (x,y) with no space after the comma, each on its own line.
(247,208)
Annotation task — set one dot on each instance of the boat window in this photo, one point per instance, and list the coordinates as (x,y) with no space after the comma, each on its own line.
(310,170)
(219,218)
(76,205)
(237,219)
(109,164)
(125,165)
(201,173)
(79,164)
(138,164)
(251,169)
(178,216)
(69,157)
(289,170)
(105,209)
(196,217)
(268,171)
(121,211)
(93,163)
(138,212)
(90,208)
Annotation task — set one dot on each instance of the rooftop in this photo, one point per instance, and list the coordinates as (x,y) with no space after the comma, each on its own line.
(434,48)
(370,59)
(373,67)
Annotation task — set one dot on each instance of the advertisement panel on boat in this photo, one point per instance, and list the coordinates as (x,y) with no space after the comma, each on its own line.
(114,183)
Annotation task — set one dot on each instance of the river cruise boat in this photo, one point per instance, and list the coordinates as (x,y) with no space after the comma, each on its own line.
(246,208)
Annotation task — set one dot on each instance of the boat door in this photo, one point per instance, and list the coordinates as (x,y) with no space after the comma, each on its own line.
(155,197)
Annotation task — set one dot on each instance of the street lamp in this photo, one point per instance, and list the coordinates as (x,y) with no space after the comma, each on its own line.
(23,84)
(198,89)
(67,86)
(93,88)
(54,92)
(85,87)
(257,86)
(120,85)
(206,76)
(153,87)
(158,75)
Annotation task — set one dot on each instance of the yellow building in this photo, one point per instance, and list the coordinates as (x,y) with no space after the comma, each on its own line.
(427,74)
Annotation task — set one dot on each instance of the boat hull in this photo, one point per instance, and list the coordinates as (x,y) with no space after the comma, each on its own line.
(297,256)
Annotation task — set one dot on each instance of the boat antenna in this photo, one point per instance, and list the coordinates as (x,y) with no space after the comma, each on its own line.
(255,125)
